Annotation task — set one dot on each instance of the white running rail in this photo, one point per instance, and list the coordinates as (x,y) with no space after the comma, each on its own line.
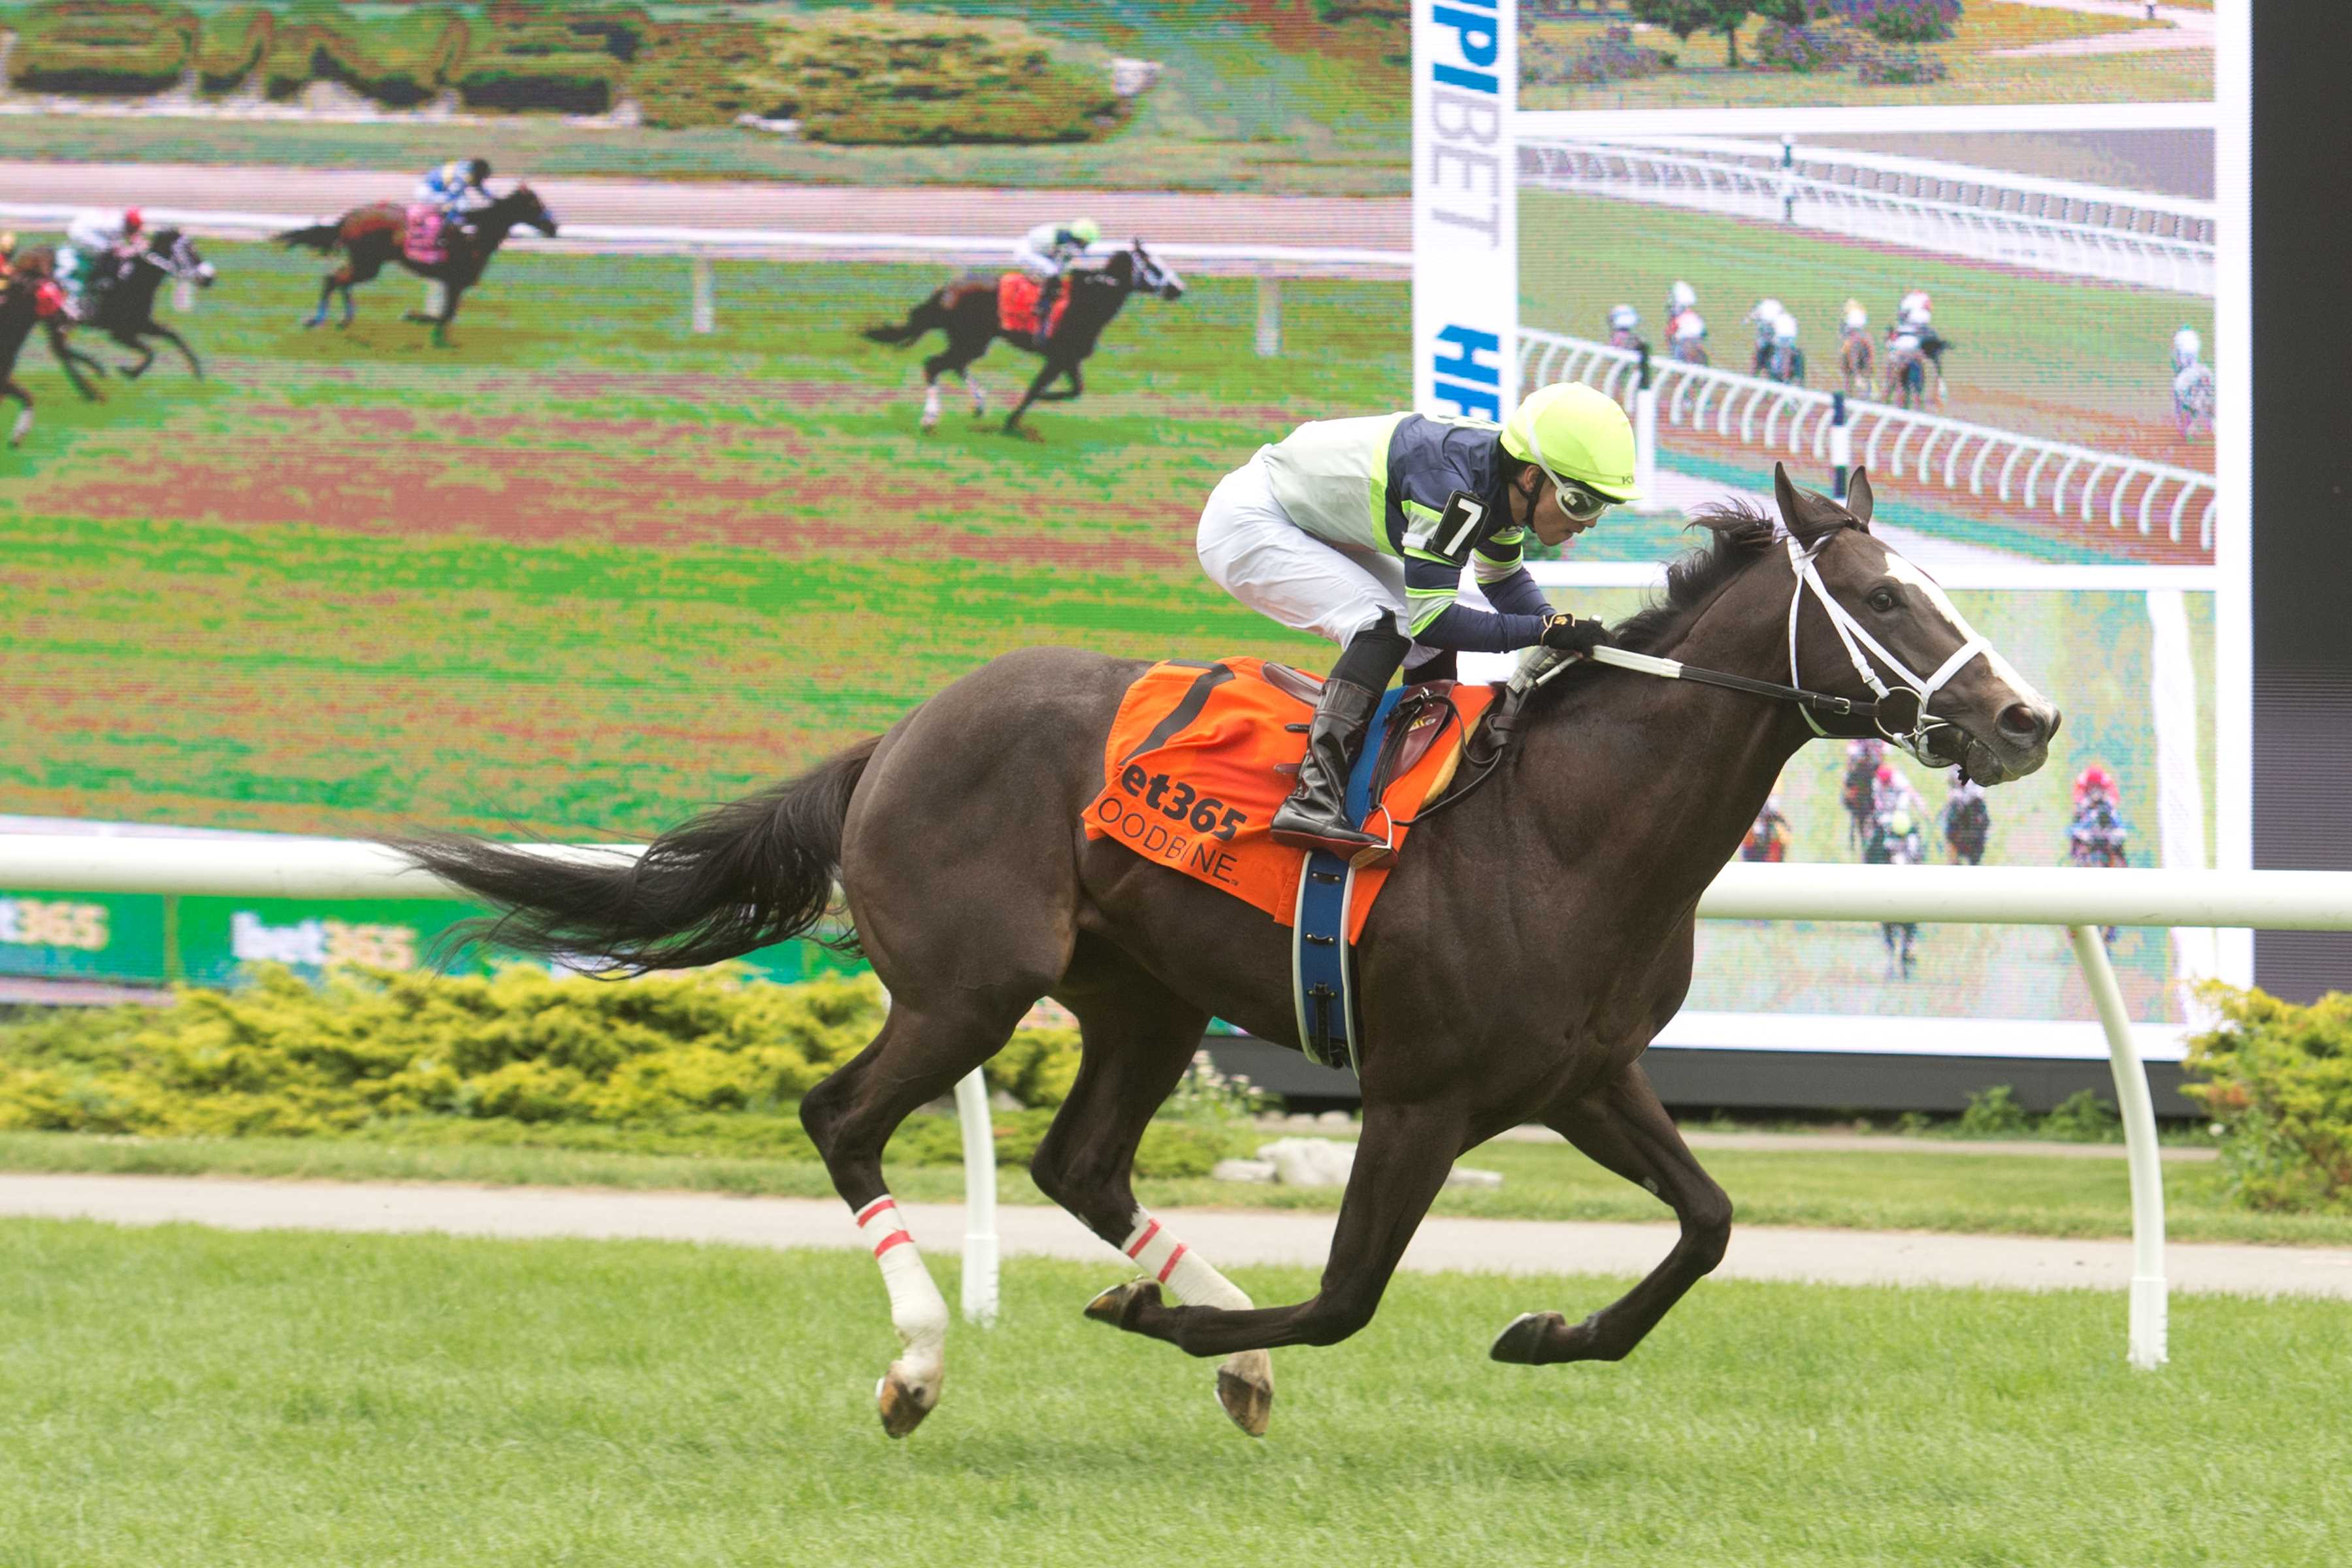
(2133,495)
(1953,209)
(2080,900)
(667,239)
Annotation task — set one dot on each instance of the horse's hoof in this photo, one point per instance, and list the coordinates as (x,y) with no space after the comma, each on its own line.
(1119,1305)
(903,1405)
(1245,1389)
(1522,1343)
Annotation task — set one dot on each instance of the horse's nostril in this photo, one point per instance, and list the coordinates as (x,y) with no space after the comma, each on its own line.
(2021,724)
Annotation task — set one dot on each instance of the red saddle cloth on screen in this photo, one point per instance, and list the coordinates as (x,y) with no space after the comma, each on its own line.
(1016,303)
(1201,756)
(422,236)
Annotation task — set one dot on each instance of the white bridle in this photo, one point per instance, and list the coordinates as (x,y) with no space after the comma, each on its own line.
(1856,637)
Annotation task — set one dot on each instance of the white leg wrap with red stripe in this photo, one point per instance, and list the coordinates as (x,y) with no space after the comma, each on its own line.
(1185,1273)
(917,1311)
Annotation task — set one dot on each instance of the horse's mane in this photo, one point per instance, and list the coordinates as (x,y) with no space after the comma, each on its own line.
(1743,534)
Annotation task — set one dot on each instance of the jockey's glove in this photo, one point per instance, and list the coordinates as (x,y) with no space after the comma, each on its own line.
(1570,634)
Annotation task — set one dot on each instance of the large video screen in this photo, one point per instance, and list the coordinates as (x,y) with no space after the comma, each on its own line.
(703,470)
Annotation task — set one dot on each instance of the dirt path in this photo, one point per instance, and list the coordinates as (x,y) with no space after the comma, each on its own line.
(1373,223)
(1234,1239)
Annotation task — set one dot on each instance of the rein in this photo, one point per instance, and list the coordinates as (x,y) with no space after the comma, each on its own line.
(1887,703)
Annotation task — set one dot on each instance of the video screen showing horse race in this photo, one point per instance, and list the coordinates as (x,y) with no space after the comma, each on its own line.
(1310,678)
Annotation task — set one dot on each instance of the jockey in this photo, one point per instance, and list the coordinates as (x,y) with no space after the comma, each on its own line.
(1784,342)
(1915,305)
(1044,253)
(1966,819)
(457,187)
(1358,531)
(1763,318)
(94,239)
(1686,327)
(2096,782)
(1680,298)
(1854,319)
(1768,840)
(1624,326)
(2187,349)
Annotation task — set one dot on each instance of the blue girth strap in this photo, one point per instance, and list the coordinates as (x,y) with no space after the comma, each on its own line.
(1322,962)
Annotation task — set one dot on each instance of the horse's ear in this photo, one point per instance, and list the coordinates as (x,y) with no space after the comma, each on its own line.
(1857,497)
(1792,505)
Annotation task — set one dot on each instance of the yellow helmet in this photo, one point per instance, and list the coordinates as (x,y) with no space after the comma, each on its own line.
(1576,435)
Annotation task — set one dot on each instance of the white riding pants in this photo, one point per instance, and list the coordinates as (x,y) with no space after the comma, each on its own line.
(1035,263)
(1252,549)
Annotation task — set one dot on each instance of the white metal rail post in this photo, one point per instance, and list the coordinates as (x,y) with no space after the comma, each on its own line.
(2080,901)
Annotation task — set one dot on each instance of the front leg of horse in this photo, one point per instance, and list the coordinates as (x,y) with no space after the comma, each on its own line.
(145,361)
(1401,1163)
(74,363)
(195,366)
(1623,1126)
(1036,394)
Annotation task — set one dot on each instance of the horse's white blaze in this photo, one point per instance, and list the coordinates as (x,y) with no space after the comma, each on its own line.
(1187,1275)
(1903,570)
(917,1311)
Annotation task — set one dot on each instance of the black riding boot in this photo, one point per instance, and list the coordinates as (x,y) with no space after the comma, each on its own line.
(1315,815)
(1046,296)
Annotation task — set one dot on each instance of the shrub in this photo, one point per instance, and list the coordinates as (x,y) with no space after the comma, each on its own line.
(701,73)
(864,76)
(1898,21)
(1600,60)
(401,63)
(231,46)
(2279,1081)
(579,83)
(1902,68)
(1992,1114)
(1038,1066)
(106,47)
(283,1058)
(1802,49)
(2083,1118)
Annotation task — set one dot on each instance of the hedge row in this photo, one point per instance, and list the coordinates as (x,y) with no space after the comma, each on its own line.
(850,76)
(283,1058)
(2278,1083)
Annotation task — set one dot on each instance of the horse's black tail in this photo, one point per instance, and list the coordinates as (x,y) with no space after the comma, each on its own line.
(919,319)
(739,876)
(323,237)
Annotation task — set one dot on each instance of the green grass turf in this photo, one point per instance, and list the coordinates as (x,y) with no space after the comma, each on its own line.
(2022,1195)
(177,1397)
(1256,95)
(2067,358)
(1978,72)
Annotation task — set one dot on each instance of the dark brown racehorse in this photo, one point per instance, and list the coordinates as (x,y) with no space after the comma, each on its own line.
(371,237)
(966,311)
(29,297)
(123,306)
(1527,948)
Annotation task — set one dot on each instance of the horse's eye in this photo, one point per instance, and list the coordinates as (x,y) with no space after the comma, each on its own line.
(1883,600)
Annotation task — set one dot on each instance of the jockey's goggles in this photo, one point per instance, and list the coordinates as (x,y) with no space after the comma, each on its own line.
(1581,505)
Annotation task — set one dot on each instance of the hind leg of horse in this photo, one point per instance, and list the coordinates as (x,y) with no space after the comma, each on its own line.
(1401,1163)
(8,388)
(1138,1039)
(74,363)
(979,393)
(146,356)
(918,1057)
(1622,1125)
(955,357)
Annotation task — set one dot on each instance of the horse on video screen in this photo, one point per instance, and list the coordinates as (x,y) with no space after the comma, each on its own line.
(966,311)
(372,238)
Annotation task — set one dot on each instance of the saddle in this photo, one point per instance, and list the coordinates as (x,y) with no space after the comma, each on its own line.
(424,237)
(1017,294)
(1200,757)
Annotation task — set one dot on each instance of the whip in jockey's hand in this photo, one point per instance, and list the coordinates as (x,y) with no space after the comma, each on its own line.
(1358,531)
(1044,253)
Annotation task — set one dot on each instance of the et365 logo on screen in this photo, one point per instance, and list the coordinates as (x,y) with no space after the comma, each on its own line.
(1169,820)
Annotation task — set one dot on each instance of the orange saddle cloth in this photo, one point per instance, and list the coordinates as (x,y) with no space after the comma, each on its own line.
(422,237)
(1201,756)
(1016,303)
